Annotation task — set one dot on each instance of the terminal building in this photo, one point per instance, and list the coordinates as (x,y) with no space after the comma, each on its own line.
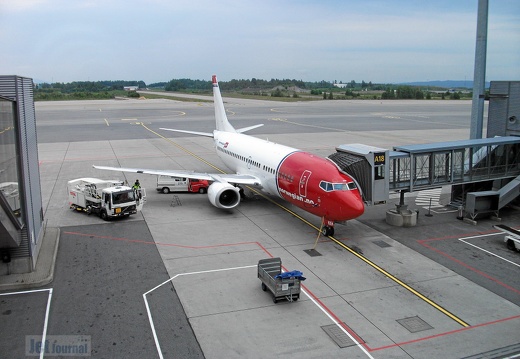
(21,212)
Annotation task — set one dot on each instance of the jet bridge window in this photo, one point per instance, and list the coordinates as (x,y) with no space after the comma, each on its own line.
(10,175)
(379,172)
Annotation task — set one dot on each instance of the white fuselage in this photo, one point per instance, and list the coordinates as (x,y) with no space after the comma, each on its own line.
(245,154)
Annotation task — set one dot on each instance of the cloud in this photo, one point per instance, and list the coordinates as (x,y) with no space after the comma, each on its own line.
(157,40)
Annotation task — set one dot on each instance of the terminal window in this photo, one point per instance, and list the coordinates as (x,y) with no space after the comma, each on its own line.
(9,161)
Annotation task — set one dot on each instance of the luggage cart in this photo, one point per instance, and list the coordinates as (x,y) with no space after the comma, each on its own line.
(281,285)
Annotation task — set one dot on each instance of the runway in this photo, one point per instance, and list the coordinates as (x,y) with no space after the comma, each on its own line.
(443,289)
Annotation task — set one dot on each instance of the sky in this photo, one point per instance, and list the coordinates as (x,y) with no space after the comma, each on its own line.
(383,41)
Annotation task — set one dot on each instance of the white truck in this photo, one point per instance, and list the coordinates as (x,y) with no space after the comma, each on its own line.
(512,237)
(512,243)
(107,198)
(167,184)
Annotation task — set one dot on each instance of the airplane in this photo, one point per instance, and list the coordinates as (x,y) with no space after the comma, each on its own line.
(310,182)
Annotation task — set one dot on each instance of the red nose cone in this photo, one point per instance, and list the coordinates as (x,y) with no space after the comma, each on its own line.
(358,208)
(348,205)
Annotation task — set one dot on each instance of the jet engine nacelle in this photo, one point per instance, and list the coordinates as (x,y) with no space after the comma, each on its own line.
(223,195)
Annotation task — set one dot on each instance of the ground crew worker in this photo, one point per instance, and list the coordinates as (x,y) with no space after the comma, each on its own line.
(137,189)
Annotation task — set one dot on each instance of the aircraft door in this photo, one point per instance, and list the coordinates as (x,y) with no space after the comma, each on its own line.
(107,201)
(304,180)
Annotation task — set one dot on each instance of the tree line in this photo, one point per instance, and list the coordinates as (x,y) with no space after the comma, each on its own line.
(85,90)
(238,85)
(274,87)
(89,86)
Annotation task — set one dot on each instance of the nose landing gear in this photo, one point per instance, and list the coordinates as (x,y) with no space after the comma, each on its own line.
(327,231)
(327,227)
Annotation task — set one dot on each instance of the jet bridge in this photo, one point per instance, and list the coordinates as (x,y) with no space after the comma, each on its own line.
(432,165)
(369,166)
(491,165)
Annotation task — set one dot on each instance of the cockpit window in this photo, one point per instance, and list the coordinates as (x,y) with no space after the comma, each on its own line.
(326,186)
(329,187)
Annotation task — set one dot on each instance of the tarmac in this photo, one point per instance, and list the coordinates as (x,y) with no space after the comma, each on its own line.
(43,273)
(179,278)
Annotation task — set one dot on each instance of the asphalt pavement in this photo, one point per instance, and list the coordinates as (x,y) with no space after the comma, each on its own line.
(178,280)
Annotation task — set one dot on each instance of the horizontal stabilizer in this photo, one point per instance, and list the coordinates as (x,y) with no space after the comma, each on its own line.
(245,129)
(206,134)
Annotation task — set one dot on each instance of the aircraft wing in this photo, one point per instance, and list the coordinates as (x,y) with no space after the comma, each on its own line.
(230,178)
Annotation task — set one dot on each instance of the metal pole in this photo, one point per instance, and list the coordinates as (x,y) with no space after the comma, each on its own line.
(479,78)
(429,209)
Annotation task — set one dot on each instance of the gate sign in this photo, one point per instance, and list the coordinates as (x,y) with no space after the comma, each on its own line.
(379,158)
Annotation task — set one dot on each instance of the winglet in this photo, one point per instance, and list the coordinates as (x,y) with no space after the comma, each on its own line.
(221,120)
